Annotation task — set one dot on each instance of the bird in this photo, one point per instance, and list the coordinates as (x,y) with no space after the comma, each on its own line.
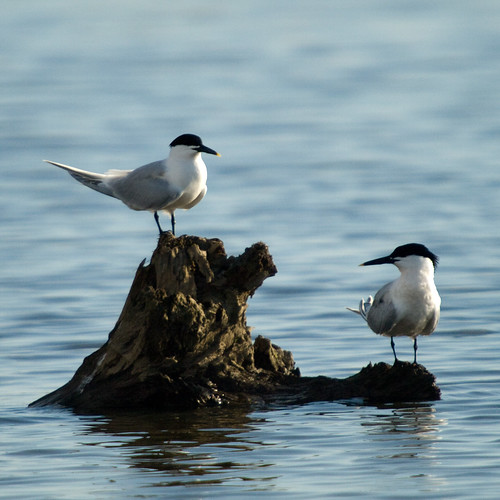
(410,305)
(178,181)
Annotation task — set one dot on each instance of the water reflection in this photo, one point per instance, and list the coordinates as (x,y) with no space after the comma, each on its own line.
(227,446)
(404,431)
(206,446)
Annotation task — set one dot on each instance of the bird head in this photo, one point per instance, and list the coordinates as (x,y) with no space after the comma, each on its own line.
(405,256)
(191,143)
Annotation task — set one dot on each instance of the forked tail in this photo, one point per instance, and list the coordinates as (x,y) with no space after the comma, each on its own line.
(363,308)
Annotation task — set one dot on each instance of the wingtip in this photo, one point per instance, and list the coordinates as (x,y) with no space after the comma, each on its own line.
(353,310)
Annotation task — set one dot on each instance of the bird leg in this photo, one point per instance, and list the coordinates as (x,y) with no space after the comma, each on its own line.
(393,349)
(172,219)
(415,347)
(157,219)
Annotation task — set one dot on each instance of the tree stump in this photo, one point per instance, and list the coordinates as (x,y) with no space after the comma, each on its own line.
(182,341)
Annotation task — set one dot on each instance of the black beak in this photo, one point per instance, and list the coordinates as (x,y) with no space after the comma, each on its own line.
(204,149)
(381,260)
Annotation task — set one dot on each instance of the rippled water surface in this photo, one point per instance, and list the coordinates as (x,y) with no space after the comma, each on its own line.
(346,129)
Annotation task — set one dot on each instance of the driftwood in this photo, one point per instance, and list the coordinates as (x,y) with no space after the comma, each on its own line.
(182,341)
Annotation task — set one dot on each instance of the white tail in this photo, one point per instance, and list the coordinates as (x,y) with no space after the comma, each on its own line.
(363,308)
(90,179)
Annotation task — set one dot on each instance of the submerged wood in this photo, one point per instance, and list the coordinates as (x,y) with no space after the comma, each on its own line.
(182,341)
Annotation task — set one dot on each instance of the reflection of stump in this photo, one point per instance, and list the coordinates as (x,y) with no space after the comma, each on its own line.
(182,341)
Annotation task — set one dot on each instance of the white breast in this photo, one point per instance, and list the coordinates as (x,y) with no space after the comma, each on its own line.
(190,179)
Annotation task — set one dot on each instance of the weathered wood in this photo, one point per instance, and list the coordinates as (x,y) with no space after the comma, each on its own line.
(182,341)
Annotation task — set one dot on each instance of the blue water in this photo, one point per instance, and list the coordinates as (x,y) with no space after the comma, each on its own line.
(346,129)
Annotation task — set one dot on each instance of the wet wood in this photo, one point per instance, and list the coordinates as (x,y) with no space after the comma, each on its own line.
(182,341)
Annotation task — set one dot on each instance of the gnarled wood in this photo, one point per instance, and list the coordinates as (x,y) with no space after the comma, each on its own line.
(182,341)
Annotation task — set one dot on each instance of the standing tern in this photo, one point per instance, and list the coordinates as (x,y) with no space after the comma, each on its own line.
(409,305)
(179,181)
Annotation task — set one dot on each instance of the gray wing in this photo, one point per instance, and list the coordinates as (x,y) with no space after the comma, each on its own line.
(432,323)
(381,316)
(144,188)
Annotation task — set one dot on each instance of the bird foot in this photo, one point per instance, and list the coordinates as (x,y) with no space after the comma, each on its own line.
(168,232)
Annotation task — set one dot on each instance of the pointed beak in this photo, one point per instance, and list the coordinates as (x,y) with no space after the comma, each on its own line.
(204,149)
(381,260)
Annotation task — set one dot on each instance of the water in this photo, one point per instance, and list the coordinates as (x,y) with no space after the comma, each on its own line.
(346,129)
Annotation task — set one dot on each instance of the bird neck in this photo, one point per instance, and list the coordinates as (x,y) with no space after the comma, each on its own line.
(185,168)
(417,275)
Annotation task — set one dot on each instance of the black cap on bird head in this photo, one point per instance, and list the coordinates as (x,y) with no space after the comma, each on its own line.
(415,249)
(405,251)
(194,142)
(187,140)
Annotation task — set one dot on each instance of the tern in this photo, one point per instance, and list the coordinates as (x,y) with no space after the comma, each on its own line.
(179,181)
(409,305)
